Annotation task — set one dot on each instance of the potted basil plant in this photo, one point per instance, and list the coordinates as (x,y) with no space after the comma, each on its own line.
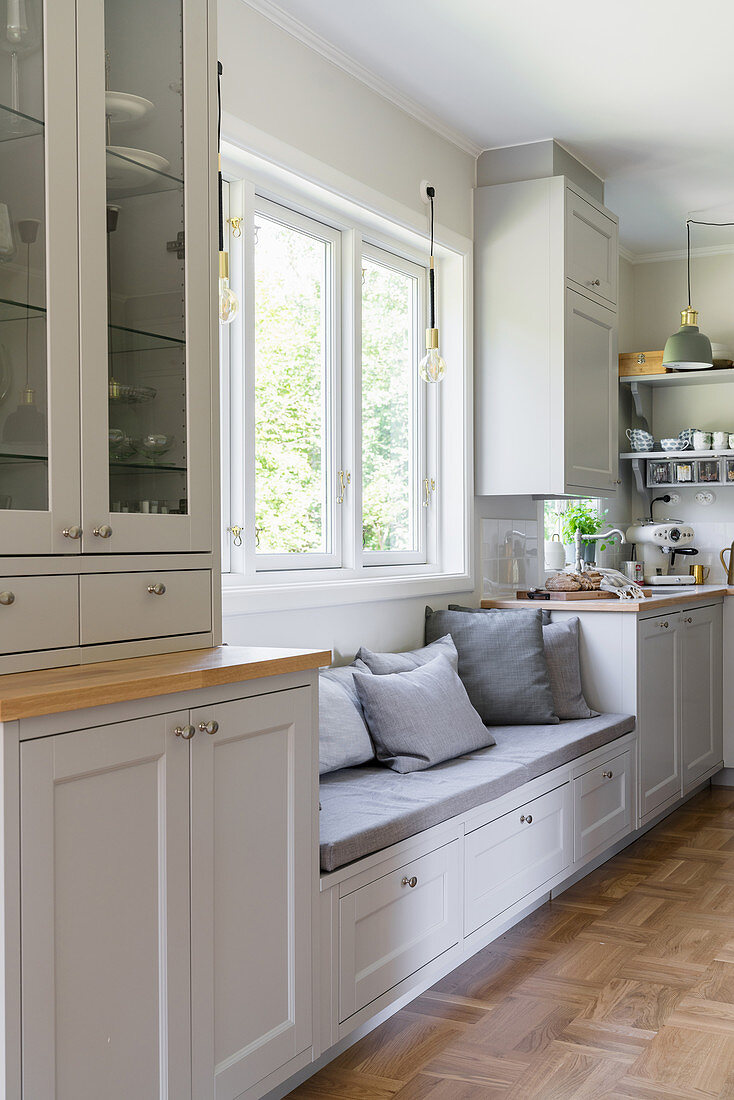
(584,517)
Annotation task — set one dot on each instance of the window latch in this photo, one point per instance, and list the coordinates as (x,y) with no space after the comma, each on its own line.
(429,486)
(236,534)
(345,478)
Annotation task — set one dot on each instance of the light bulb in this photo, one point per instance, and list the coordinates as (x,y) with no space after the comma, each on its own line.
(432,367)
(229,303)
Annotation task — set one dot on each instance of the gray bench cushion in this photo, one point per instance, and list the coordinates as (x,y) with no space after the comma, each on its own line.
(368,808)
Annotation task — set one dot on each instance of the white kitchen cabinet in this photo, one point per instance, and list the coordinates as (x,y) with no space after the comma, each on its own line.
(658,713)
(545,341)
(107,308)
(701,692)
(603,806)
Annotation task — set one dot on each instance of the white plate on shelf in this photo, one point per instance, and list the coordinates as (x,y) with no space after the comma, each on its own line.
(124,107)
(132,171)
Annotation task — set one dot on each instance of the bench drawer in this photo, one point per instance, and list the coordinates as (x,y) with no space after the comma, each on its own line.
(120,607)
(38,613)
(389,929)
(602,806)
(515,854)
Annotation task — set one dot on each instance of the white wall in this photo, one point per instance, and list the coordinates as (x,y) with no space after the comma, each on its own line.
(274,84)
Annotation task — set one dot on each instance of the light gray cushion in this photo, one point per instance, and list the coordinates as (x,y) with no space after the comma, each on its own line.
(383,663)
(546,615)
(501,663)
(369,808)
(344,739)
(561,641)
(419,718)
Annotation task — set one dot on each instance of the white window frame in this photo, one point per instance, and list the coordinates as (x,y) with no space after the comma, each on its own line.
(363,220)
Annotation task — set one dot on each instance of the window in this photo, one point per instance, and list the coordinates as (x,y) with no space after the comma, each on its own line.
(332,464)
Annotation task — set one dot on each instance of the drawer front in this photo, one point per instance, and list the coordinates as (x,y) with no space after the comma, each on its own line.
(120,607)
(602,806)
(389,929)
(592,252)
(512,856)
(38,613)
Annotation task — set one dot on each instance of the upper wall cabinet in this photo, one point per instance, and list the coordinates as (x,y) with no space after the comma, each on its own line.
(106,287)
(545,341)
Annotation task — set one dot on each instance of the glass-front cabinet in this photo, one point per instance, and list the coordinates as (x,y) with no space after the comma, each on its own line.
(106,277)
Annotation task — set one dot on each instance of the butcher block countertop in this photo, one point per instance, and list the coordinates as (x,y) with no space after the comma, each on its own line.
(656,601)
(49,691)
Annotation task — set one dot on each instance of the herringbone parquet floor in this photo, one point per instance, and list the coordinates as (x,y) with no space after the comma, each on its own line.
(622,987)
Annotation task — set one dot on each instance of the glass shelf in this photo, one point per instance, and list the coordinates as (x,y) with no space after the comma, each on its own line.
(18,311)
(136,467)
(127,177)
(124,341)
(19,456)
(15,125)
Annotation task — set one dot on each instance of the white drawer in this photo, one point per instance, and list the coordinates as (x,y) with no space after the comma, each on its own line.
(119,607)
(513,855)
(389,929)
(602,806)
(38,613)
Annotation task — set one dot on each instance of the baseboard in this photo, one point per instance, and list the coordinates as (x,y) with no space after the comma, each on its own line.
(723,778)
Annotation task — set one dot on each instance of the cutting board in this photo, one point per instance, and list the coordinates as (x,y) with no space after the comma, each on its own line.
(541,595)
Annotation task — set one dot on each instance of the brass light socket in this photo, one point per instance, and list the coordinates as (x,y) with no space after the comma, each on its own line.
(431,339)
(28,396)
(224,265)
(689,316)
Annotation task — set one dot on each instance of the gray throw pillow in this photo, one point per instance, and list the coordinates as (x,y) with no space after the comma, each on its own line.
(561,641)
(495,611)
(381,664)
(501,663)
(344,739)
(421,717)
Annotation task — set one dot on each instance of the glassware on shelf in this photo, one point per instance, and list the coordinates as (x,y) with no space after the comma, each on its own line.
(27,424)
(121,444)
(20,36)
(122,394)
(155,444)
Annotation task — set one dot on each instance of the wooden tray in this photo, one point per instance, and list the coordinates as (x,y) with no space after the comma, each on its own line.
(542,595)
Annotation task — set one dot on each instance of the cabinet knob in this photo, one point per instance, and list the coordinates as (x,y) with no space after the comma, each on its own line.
(104,531)
(72,532)
(209,727)
(617,481)
(526,820)
(158,589)
(607,775)
(595,282)
(6,598)
(665,625)
(688,619)
(411,882)
(186,732)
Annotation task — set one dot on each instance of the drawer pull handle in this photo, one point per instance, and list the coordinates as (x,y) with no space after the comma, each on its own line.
(157,589)
(209,727)
(72,532)
(526,820)
(6,598)
(104,531)
(411,882)
(186,732)
(607,775)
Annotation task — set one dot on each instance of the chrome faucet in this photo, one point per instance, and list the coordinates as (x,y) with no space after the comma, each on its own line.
(593,538)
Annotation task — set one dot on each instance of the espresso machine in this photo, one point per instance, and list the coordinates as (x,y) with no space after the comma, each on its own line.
(657,545)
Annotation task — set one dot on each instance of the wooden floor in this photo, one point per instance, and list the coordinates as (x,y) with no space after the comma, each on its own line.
(621,987)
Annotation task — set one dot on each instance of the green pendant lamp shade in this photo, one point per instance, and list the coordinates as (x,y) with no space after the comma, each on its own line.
(688,349)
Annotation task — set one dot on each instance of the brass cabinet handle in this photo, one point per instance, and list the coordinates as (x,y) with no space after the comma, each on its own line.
(74,532)
(157,589)
(527,820)
(209,727)
(665,625)
(186,732)
(607,775)
(594,282)
(688,619)
(6,598)
(104,531)
(411,882)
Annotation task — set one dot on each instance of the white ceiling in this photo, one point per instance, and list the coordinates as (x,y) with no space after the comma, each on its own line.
(641,90)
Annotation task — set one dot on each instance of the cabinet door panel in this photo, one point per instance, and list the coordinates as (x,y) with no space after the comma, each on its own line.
(105,913)
(658,717)
(701,705)
(592,248)
(591,396)
(253,877)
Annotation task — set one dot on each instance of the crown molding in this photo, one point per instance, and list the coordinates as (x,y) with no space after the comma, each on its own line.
(627,254)
(676,254)
(349,65)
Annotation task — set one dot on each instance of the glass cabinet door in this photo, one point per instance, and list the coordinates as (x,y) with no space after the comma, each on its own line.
(39,465)
(146,324)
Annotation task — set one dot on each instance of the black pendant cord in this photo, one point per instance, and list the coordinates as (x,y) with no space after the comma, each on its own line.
(431,192)
(27,313)
(219,153)
(689,223)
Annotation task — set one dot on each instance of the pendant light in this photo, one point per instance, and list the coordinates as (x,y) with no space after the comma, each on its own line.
(432,367)
(229,304)
(27,424)
(688,349)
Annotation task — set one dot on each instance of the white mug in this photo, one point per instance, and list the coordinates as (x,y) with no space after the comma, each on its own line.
(721,439)
(702,441)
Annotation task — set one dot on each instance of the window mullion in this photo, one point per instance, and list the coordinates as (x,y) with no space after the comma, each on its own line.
(351,430)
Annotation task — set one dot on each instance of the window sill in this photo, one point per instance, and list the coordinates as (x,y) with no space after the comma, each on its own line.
(241,598)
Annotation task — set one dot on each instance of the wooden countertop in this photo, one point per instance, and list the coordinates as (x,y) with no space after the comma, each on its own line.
(656,601)
(49,691)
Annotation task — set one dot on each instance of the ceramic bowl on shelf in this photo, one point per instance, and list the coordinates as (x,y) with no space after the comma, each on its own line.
(155,444)
(687,435)
(673,444)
